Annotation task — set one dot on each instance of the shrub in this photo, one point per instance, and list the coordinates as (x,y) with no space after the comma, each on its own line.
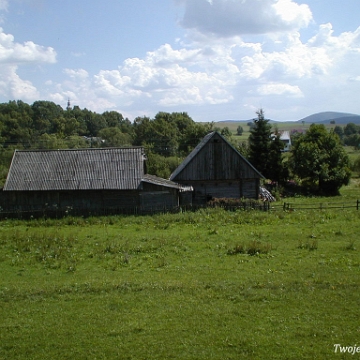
(254,247)
(309,245)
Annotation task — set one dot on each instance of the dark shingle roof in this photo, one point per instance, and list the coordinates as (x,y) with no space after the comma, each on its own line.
(85,169)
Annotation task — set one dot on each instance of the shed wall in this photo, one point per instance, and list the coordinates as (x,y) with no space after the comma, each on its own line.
(91,201)
(205,190)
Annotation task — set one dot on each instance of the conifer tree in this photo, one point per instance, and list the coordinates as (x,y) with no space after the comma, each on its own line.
(265,149)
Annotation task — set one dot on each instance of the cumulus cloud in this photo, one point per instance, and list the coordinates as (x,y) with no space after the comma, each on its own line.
(13,87)
(167,77)
(343,43)
(78,74)
(280,89)
(13,55)
(29,52)
(296,60)
(228,18)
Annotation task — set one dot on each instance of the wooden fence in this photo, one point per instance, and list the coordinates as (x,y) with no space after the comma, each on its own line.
(57,214)
(287,206)
(244,206)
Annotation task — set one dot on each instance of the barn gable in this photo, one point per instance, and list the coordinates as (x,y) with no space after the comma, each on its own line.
(216,169)
(214,158)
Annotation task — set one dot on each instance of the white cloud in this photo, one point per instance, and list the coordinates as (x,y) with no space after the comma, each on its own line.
(168,78)
(13,87)
(12,56)
(295,61)
(280,89)
(345,42)
(227,18)
(29,52)
(295,15)
(79,74)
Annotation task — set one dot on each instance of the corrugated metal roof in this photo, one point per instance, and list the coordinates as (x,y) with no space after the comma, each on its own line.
(152,179)
(197,149)
(85,169)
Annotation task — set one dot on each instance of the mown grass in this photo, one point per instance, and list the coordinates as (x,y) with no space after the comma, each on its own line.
(205,285)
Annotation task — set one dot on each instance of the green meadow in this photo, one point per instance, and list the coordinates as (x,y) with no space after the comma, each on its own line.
(281,126)
(210,284)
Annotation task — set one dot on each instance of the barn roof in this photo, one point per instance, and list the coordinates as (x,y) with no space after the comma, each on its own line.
(81,169)
(197,149)
(155,180)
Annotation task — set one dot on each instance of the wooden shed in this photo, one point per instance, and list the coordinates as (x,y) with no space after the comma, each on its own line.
(86,181)
(215,169)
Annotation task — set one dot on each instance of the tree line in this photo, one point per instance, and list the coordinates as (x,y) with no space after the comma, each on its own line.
(317,159)
(349,134)
(168,137)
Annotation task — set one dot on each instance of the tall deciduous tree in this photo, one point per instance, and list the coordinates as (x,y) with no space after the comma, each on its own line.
(113,136)
(226,132)
(239,130)
(320,161)
(276,168)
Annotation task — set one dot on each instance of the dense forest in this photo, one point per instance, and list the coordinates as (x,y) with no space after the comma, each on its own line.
(168,138)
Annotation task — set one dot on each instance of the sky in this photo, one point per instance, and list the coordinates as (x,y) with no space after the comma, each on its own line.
(214,59)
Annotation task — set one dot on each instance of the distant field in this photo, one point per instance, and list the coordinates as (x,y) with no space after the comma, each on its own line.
(205,285)
(282,126)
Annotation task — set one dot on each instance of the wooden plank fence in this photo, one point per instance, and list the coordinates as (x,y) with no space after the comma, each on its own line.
(321,206)
(245,206)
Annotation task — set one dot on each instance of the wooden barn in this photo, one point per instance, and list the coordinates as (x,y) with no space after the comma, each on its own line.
(87,181)
(215,169)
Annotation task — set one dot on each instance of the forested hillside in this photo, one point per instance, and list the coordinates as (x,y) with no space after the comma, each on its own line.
(46,125)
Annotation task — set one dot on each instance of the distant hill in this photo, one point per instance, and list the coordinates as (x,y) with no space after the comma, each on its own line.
(322,118)
(326,117)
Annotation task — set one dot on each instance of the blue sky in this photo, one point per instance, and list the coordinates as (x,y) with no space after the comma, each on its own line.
(214,59)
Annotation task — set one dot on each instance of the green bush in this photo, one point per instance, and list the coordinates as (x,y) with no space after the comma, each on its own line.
(254,247)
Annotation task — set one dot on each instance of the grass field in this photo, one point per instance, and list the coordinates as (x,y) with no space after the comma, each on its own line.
(205,285)
(281,125)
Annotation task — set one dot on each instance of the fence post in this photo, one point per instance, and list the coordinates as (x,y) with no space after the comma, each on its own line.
(357,205)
